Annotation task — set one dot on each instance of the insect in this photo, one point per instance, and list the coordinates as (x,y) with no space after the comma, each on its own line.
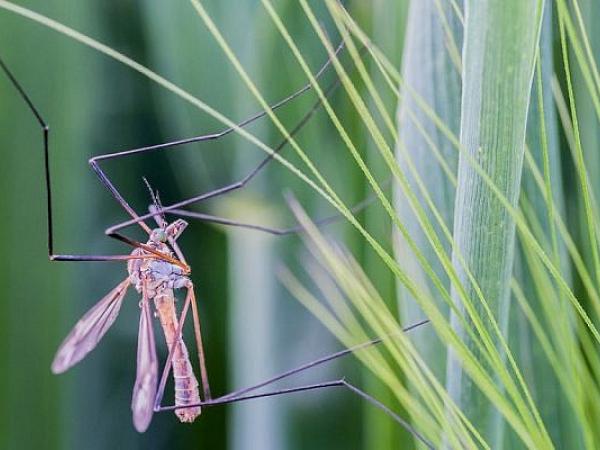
(156,269)
(155,279)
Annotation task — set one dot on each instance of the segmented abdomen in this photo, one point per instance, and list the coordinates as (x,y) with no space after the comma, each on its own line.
(186,385)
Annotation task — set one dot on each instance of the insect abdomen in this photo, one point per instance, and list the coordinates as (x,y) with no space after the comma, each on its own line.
(186,385)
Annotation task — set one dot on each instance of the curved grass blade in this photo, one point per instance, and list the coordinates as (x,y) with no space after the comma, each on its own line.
(499,53)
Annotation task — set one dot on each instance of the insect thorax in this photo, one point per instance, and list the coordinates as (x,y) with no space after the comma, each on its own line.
(155,274)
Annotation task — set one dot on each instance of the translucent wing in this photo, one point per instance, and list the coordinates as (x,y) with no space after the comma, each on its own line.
(144,390)
(89,330)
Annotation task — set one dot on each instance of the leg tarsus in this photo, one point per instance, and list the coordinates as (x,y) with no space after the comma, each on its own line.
(407,426)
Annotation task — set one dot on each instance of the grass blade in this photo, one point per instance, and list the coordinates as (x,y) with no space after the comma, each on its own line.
(498,56)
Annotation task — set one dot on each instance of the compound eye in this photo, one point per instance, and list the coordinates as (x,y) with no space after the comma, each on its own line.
(159,235)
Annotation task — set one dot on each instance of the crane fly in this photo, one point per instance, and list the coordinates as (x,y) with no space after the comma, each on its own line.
(155,277)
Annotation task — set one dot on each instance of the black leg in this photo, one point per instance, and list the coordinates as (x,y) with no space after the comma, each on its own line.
(48,179)
(110,186)
(318,362)
(244,394)
(200,347)
(169,362)
(233,186)
(94,161)
(190,299)
(312,387)
(267,229)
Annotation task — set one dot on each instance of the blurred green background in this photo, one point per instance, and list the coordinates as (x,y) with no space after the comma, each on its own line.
(252,327)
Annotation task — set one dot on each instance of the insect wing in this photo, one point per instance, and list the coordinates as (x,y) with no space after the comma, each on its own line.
(90,329)
(144,390)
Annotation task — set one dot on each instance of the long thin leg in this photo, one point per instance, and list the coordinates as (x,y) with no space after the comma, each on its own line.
(118,236)
(153,254)
(99,258)
(238,184)
(226,131)
(267,229)
(318,362)
(200,346)
(340,383)
(190,298)
(243,394)
(311,387)
(94,163)
(48,179)
(281,376)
